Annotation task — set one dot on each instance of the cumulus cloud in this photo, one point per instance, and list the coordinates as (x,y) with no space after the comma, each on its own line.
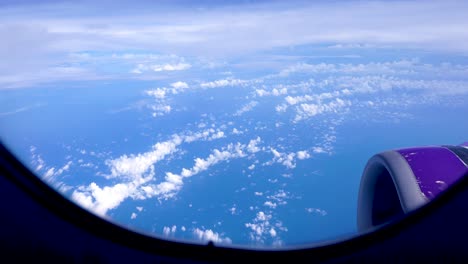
(231,151)
(252,147)
(270,204)
(208,135)
(222,83)
(180,85)
(168,231)
(286,159)
(160,109)
(236,131)
(209,235)
(173,182)
(279,197)
(281,108)
(134,166)
(274,92)
(263,229)
(100,200)
(137,171)
(158,93)
(303,154)
(305,111)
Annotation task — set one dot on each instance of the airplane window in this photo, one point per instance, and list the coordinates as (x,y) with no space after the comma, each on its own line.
(242,123)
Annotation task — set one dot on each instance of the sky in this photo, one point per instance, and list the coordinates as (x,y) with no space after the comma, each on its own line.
(67,40)
(103,101)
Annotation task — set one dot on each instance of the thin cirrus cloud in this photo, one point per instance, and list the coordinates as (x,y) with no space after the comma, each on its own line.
(212,31)
(239,28)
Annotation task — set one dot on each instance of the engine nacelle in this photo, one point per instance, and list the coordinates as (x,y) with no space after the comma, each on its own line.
(399,181)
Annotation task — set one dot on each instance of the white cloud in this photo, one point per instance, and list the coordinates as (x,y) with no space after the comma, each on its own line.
(281,108)
(142,68)
(262,228)
(209,235)
(171,67)
(221,31)
(286,159)
(168,231)
(160,109)
(305,111)
(303,154)
(232,151)
(208,134)
(180,85)
(233,210)
(158,93)
(318,150)
(236,131)
(279,197)
(173,182)
(252,146)
(137,171)
(272,232)
(51,174)
(133,216)
(246,108)
(274,92)
(270,204)
(222,83)
(261,92)
(100,200)
(317,211)
(134,166)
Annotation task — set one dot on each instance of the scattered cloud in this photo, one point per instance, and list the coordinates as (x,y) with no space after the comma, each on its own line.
(246,108)
(157,93)
(305,111)
(137,171)
(286,159)
(223,83)
(209,235)
(142,68)
(316,211)
(19,110)
(263,228)
(180,85)
(303,154)
(169,231)
(270,204)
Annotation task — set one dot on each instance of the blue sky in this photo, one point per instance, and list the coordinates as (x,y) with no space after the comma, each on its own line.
(124,105)
(62,40)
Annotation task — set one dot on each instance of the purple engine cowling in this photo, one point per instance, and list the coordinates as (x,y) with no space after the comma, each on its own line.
(399,181)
